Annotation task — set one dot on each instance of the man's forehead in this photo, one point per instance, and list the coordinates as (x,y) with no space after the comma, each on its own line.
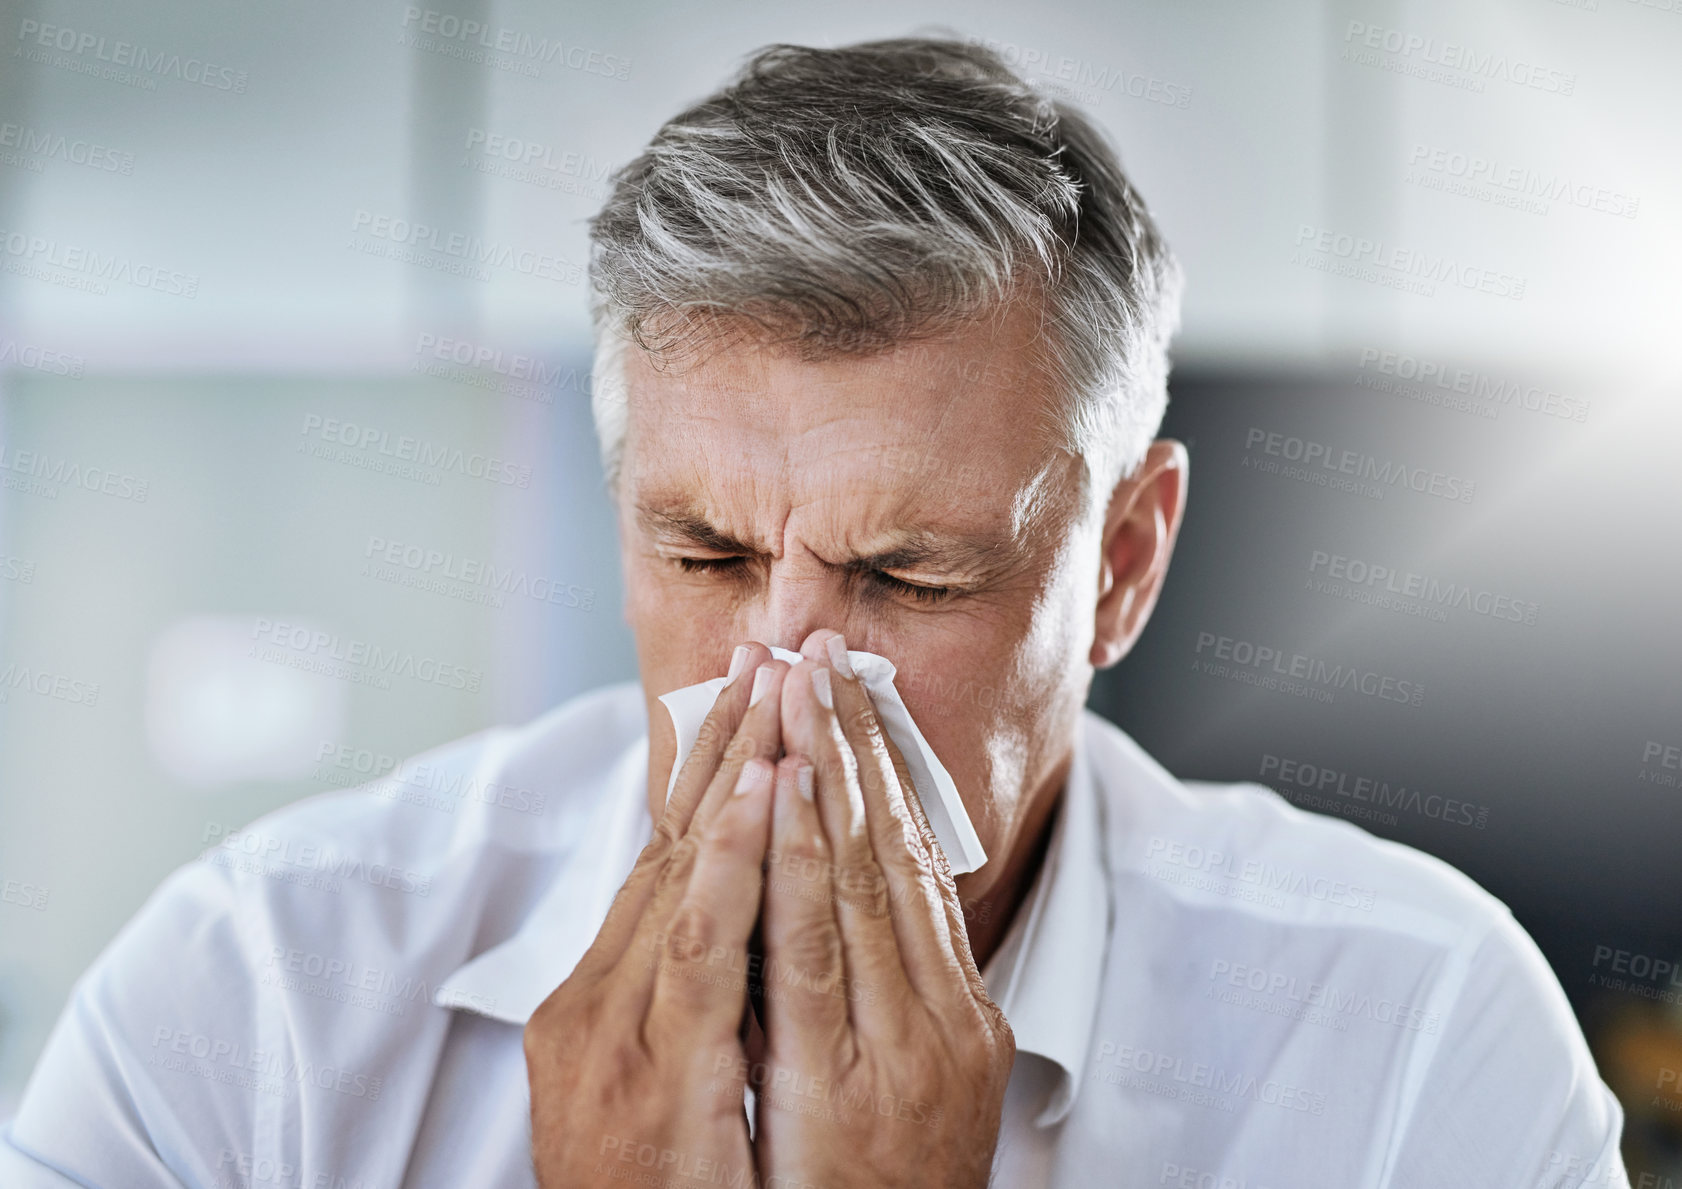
(870,454)
(973,385)
(930,450)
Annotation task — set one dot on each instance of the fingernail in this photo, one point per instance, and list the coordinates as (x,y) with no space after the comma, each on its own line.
(820,686)
(737,660)
(761,683)
(753,773)
(838,655)
(803,779)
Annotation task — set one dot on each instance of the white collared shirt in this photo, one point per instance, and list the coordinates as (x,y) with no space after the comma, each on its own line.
(1208,987)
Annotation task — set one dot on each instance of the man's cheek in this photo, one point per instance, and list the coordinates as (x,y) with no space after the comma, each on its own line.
(676,607)
(943,694)
(955,731)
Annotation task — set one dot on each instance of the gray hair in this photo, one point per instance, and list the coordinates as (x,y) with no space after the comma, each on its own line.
(846,200)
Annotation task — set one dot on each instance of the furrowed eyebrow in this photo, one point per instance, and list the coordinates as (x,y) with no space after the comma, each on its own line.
(697,530)
(956,554)
(951,553)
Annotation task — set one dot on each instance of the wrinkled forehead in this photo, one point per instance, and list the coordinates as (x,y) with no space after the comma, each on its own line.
(955,420)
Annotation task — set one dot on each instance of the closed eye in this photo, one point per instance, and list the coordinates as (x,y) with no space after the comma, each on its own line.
(923,594)
(707,565)
(884,581)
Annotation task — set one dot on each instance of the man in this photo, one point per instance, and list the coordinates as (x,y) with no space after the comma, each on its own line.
(884,339)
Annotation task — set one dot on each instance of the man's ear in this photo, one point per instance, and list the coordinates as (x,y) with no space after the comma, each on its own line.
(1140,528)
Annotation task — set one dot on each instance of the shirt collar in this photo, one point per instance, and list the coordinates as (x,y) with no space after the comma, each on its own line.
(508,981)
(1047,973)
(1045,976)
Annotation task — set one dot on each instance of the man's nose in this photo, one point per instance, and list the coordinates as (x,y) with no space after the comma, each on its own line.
(802,595)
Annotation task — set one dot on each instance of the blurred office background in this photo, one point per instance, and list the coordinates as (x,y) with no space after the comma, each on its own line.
(251,381)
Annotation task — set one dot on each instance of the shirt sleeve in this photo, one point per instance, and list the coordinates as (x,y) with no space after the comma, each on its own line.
(1511,1097)
(138,1085)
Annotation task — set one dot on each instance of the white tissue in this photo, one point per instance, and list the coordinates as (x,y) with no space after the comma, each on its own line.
(948,819)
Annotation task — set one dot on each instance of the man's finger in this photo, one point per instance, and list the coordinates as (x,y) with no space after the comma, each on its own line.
(721,727)
(914,894)
(712,740)
(957,928)
(760,734)
(870,948)
(698,926)
(807,986)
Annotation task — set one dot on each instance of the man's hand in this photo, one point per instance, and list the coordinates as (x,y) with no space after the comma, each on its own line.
(886,1062)
(634,1061)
